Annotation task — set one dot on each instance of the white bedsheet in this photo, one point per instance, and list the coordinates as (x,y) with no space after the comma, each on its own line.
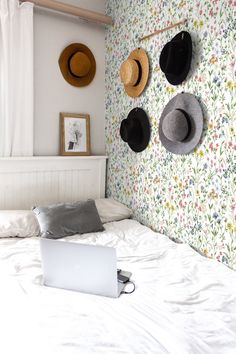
(183,303)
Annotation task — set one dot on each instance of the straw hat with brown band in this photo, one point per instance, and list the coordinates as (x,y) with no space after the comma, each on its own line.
(77,64)
(134,72)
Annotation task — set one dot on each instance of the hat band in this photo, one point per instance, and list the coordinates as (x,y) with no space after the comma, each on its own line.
(188,122)
(139,72)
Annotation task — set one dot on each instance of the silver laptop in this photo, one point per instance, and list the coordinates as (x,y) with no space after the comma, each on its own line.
(86,268)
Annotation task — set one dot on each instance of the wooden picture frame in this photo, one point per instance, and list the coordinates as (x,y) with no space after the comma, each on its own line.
(74,134)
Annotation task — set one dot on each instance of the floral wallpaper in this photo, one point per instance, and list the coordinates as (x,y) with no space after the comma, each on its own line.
(191,197)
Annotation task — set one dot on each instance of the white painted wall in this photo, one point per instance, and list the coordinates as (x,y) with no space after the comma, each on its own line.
(53,32)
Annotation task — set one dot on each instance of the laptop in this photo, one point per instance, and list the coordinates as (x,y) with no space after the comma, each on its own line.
(81,267)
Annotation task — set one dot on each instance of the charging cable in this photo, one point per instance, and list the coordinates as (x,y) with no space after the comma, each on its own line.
(128,292)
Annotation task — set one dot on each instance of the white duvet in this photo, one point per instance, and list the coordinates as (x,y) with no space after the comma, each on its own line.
(183,303)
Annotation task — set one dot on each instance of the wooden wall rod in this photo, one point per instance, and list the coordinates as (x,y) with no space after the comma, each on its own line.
(163,30)
(72,10)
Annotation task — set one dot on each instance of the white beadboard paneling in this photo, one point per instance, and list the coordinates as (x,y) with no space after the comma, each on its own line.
(29,181)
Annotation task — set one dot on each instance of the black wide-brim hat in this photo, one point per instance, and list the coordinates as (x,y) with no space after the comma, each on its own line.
(135,130)
(175,58)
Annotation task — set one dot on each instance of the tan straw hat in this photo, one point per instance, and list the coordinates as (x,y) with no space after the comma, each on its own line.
(134,72)
(77,64)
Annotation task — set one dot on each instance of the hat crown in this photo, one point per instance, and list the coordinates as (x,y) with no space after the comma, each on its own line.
(135,129)
(79,64)
(130,130)
(175,57)
(175,125)
(129,72)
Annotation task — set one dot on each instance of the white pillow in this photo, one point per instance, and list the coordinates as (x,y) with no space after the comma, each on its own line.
(20,223)
(111,210)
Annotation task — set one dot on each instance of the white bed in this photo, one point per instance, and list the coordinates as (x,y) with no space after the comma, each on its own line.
(183,303)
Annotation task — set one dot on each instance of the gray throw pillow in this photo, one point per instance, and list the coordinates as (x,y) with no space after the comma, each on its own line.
(62,220)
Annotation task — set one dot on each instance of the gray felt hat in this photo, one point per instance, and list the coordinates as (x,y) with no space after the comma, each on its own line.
(181,124)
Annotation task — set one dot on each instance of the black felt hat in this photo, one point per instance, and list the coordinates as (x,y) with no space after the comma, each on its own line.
(175,58)
(135,130)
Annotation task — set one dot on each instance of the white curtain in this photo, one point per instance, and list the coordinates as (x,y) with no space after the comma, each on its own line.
(16,78)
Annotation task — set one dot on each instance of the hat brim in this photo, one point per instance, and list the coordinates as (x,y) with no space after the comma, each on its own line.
(190,104)
(64,65)
(140,114)
(178,79)
(140,55)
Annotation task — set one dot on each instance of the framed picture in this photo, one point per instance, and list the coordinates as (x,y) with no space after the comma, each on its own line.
(74,134)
